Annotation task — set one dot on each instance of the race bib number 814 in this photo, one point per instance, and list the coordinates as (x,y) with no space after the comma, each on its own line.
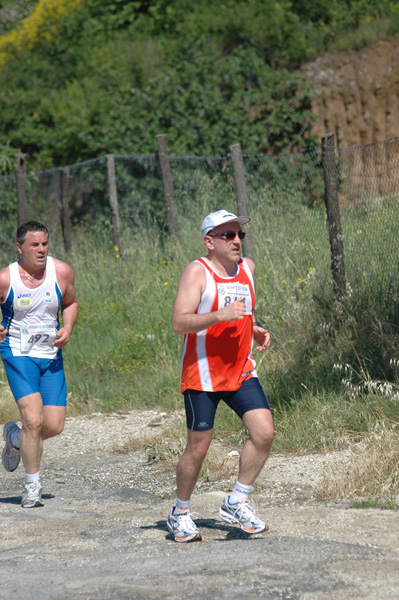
(229,292)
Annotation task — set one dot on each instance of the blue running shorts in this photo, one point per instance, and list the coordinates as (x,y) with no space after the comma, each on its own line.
(201,406)
(28,375)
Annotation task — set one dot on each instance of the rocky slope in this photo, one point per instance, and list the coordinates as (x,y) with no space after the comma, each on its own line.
(358,94)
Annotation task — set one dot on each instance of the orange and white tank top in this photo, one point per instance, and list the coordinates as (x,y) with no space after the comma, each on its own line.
(220,358)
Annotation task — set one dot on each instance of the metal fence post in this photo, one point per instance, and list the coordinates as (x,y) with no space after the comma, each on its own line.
(21,188)
(333,216)
(241,191)
(113,201)
(167,182)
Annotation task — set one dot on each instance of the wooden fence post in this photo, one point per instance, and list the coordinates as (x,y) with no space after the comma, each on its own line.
(333,216)
(167,182)
(21,188)
(241,191)
(113,201)
(64,208)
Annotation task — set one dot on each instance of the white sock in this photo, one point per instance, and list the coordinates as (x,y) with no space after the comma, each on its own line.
(32,477)
(240,492)
(15,438)
(182,505)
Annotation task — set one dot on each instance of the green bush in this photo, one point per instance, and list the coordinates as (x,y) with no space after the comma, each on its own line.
(109,76)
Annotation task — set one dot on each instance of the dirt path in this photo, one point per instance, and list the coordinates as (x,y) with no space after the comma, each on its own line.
(102,531)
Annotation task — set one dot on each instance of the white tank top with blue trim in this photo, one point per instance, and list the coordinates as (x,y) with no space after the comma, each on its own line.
(31,315)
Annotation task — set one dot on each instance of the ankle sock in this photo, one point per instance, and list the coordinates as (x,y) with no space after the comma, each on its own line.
(240,492)
(182,505)
(32,477)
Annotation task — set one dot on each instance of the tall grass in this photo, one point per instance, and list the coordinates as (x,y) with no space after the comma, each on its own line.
(325,351)
(371,471)
(123,354)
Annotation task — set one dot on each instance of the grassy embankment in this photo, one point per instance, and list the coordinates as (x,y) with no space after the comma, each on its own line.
(323,373)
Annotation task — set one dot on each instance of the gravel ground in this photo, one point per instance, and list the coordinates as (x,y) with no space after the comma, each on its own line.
(102,533)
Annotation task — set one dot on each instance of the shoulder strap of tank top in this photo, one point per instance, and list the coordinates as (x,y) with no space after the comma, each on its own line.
(243,265)
(203,262)
(50,264)
(13,269)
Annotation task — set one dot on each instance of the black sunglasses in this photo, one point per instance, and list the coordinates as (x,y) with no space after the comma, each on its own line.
(230,235)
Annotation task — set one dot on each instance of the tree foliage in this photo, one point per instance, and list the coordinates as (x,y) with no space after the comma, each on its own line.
(109,75)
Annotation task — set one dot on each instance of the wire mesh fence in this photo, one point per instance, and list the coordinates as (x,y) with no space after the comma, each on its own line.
(285,198)
(368,191)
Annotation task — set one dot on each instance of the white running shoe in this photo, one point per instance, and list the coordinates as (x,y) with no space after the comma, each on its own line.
(10,456)
(243,514)
(32,495)
(182,526)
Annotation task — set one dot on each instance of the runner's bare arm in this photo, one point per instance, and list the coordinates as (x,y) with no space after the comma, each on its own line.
(69,306)
(261,335)
(4,286)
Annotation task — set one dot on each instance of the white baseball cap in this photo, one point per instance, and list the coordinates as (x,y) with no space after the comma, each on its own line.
(218,218)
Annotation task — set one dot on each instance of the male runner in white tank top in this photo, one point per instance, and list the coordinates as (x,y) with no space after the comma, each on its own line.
(33,291)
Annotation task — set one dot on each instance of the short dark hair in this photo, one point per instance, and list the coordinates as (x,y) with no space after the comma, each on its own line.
(30,226)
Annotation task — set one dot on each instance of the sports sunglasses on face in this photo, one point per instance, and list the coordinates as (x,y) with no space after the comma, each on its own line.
(229,235)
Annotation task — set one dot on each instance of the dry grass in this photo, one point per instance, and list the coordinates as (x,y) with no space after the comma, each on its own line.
(8,408)
(368,469)
(372,468)
(166,448)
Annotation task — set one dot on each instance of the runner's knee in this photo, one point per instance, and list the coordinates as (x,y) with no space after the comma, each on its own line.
(197,448)
(32,421)
(262,435)
(53,429)
(54,420)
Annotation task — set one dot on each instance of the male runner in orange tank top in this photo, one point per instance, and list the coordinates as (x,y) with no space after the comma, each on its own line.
(214,310)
